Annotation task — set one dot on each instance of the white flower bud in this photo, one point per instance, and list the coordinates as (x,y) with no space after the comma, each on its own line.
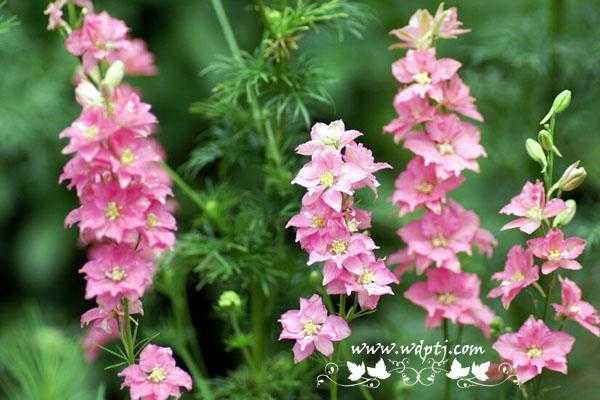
(536,152)
(88,95)
(114,75)
(565,216)
(573,176)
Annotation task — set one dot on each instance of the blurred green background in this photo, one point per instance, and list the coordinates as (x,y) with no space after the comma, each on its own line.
(519,55)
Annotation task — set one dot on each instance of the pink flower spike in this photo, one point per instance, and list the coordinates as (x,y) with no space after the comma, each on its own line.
(519,272)
(449,143)
(530,205)
(312,328)
(456,97)
(451,295)
(533,348)
(573,307)
(131,113)
(156,376)
(136,57)
(340,247)
(557,251)
(327,137)
(88,133)
(411,113)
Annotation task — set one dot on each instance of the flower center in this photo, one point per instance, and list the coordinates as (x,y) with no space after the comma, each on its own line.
(366,278)
(422,78)
(554,255)
(112,211)
(338,246)
(517,277)
(326,179)
(352,224)
(439,241)
(157,375)
(534,352)
(318,222)
(445,149)
(574,309)
(424,187)
(534,213)
(90,133)
(117,274)
(151,220)
(310,328)
(331,141)
(127,157)
(446,298)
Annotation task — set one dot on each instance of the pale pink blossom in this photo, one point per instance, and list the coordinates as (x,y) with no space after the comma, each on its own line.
(159,231)
(419,185)
(131,113)
(423,73)
(485,242)
(327,137)
(312,328)
(573,307)
(556,251)
(534,347)
(155,376)
(54,12)
(81,173)
(440,237)
(449,143)
(136,57)
(361,157)
(315,223)
(531,208)
(411,113)
(131,156)
(451,295)
(88,133)
(338,248)
(519,272)
(406,261)
(456,97)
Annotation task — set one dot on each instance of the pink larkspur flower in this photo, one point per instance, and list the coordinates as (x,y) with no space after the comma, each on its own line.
(315,223)
(440,237)
(158,232)
(327,137)
(131,157)
(530,205)
(405,261)
(338,248)
(423,73)
(81,173)
(156,376)
(451,295)
(419,185)
(131,113)
(485,242)
(411,113)
(534,347)
(573,307)
(54,12)
(449,143)
(457,97)
(312,328)
(358,155)
(88,133)
(557,251)
(519,272)
(136,57)
(328,176)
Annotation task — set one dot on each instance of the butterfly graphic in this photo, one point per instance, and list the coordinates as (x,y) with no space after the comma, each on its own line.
(356,371)
(457,370)
(479,371)
(379,371)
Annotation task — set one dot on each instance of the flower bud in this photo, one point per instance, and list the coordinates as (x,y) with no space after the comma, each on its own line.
(545,139)
(88,95)
(566,215)
(229,300)
(114,75)
(562,101)
(573,176)
(536,152)
(315,277)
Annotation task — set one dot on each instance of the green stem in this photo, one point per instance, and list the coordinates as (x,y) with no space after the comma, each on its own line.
(201,383)
(343,306)
(185,188)
(227,31)
(257,314)
(126,335)
(238,332)
(71,12)
(333,387)
(185,326)
(447,385)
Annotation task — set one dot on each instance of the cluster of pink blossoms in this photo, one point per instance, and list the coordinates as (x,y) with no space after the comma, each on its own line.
(331,229)
(431,99)
(124,216)
(536,346)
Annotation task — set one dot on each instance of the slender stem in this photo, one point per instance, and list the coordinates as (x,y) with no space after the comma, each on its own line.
(226,28)
(257,315)
(202,386)
(447,385)
(185,188)
(333,387)
(343,306)
(238,332)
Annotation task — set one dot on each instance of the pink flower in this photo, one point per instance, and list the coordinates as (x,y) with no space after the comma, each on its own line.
(519,272)
(312,328)
(533,348)
(338,248)
(156,376)
(315,223)
(115,272)
(54,12)
(328,176)
(575,308)
(419,186)
(160,227)
(411,113)
(530,205)
(440,237)
(557,251)
(131,113)
(136,57)
(131,157)
(406,261)
(451,295)
(99,37)
(449,143)
(88,133)
(327,137)
(81,173)
(485,242)
(358,155)
(456,97)
(423,73)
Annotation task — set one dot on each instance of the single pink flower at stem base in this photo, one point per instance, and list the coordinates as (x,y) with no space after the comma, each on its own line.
(451,295)
(156,376)
(519,272)
(312,328)
(557,251)
(573,307)
(534,347)
(530,205)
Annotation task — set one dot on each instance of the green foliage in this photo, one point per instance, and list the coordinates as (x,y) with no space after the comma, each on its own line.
(7,22)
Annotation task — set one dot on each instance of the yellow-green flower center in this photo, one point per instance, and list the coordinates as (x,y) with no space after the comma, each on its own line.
(151,220)
(127,157)
(112,211)
(445,149)
(338,247)
(534,352)
(517,277)
(157,375)
(352,224)
(318,222)
(554,255)
(424,187)
(446,298)
(117,274)
(422,78)
(534,213)
(366,278)
(310,328)
(90,133)
(327,179)
(333,142)
(439,241)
